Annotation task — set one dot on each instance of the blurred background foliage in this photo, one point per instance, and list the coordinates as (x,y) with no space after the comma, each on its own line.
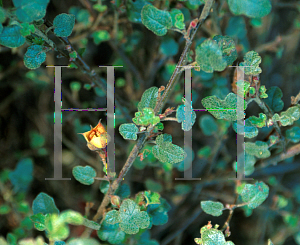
(119,38)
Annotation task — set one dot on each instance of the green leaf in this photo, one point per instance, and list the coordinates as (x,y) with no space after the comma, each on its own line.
(258,121)
(148,99)
(186,123)
(11,36)
(209,57)
(44,204)
(83,241)
(246,128)
(166,152)
(27,29)
(36,140)
(91,224)
(227,47)
(21,177)
(11,239)
(156,20)
(101,36)
(146,117)
(223,109)
(111,233)
(129,217)
(212,236)
(258,149)
(293,134)
(2,15)
(274,99)
(177,19)
(248,164)
(288,117)
(30,10)
(134,9)
(169,46)
(72,217)
(99,7)
(270,242)
(85,175)
(208,125)
(250,8)
(59,243)
(34,56)
(128,131)
(262,92)
(158,212)
(152,197)
(255,194)
(212,208)
(63,25)
(38,221)
(252,59)
(56,228)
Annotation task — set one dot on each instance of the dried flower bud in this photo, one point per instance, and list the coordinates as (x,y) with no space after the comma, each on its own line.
(96,138)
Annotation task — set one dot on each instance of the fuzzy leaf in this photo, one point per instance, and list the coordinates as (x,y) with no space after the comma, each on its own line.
(212,236)
(146,117)
(255,194)
(129,217)
(250,8)
(2,15)
(72,217)
(148,99)
(21,177)
(30,10)
(209,57)
(258,149)
(249,130)
(158,212)
(293,134)
(253,59)
(227,47)
(274,99)
(223,109)
(111,233)
(128,131)
(11,36)
(186,123)
(258,121)
(156,20)
(44,204)
(212,208)
(34,56)
(288,117)
(166,152)
(177,18)
(85,175)
(63,25)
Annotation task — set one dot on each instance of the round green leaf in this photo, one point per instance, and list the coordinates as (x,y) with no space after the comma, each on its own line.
(274,99)
(11,36)
(186,122)
(208,125)
(148,99)
(34,57)
(166,152)
(156,20)
(255,194)
(111,233)
(224,109)
(293,134)
(212,208)
(72,217)
(250,8)
(30,10)
(248,130)
(63,25)
(209,57)
(258,149)
(251,63)
(44,204)
(128,131)
(85,175)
